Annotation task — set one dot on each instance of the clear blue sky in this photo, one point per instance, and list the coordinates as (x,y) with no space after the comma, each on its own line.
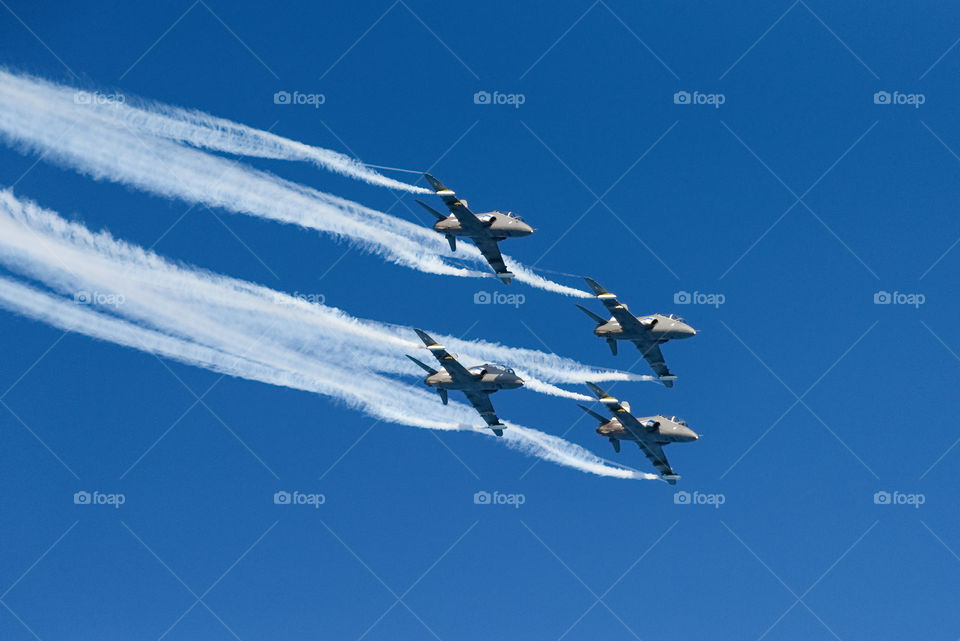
(876,383)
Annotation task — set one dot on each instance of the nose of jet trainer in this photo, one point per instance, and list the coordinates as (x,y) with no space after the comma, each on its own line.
(524,229)
(688,435)
(686,331)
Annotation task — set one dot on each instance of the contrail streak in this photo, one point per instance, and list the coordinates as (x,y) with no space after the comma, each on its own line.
(44,117)
(80,263)
(134,298)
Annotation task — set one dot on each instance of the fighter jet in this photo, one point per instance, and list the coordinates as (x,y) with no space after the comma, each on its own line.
(646,332)
(478,383)
(651,433)
(485,230)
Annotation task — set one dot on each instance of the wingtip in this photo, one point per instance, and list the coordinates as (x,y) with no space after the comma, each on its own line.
(598,392)
(595,286)
(436,184)
(425,337)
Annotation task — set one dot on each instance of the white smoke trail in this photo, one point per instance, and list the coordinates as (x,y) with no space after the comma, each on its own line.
(205,131)
(376,396)
(45,117)
(74,261)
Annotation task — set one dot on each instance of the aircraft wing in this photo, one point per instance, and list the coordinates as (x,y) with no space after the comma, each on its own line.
(617,309)
(654,452)
(481,403)
(652,354)
(491,251)
(468,220)
(457,371)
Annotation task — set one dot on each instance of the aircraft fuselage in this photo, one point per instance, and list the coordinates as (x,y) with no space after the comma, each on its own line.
(486,378)
(659,429)
(499,225)
(657,327)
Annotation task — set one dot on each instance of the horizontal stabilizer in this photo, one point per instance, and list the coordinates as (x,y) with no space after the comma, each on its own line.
(433,211)
(589,411)
(596,319)
(671,478)
(505,277)
(424,366)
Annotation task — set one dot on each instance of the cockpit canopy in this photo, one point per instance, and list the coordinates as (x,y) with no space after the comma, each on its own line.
(491,215)
(678,421)
(675,317)
(486,367)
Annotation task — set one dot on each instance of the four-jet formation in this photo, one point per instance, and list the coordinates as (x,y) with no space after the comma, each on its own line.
(477,383)
(646,332)
(485,230)
(651,433)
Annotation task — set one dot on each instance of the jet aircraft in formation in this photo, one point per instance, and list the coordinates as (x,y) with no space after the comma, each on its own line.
(648,333)
(485,230)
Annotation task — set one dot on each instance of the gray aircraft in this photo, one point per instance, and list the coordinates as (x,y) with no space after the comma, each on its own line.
(646,332)
(477,383)
(651,433)
(485,230)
